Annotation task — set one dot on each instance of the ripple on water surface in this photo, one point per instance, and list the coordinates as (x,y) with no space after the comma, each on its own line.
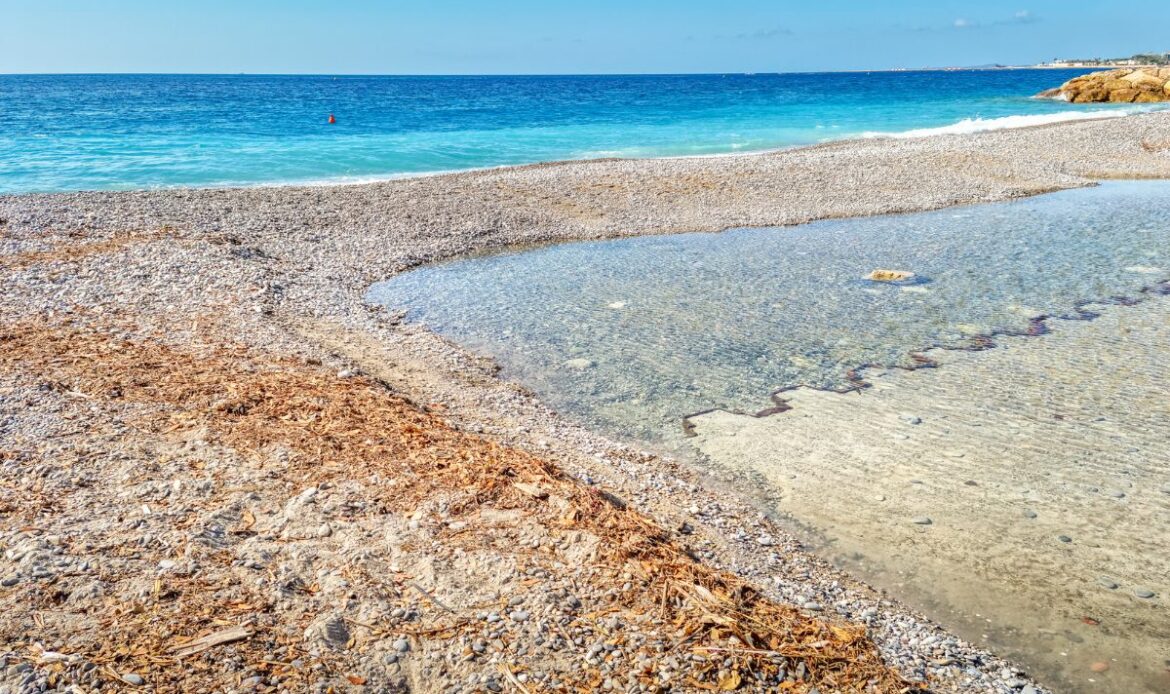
(635,334)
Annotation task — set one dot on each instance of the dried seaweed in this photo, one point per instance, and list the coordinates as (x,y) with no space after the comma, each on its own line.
(352,428)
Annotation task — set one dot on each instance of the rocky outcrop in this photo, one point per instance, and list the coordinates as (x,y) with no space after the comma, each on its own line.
(1127,85)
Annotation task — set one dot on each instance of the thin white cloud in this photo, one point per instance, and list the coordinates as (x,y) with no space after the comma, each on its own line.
(1020,17)
(764,34)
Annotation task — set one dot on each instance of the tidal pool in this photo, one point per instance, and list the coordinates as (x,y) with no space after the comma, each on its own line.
(635,334)
(1020,495)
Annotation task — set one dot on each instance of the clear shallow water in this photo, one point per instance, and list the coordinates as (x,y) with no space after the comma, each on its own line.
(72,132)
(635,334)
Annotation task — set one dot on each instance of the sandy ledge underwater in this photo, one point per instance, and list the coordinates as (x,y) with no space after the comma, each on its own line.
(223,471)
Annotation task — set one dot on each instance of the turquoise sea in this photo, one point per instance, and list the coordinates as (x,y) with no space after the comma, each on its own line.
(80,132)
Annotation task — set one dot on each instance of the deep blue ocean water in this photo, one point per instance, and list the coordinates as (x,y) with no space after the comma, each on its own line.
(74,132)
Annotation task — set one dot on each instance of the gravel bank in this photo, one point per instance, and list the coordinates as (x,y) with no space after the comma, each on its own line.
(275,276)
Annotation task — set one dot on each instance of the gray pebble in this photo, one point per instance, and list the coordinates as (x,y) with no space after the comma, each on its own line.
(402,645)
(1143,593)
(1064,538)
(921,520)
(1029,513)
(519,615)
(10,581)
(131,678)
(1108,583)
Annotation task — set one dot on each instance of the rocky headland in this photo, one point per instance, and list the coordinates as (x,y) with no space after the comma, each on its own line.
(1143,85)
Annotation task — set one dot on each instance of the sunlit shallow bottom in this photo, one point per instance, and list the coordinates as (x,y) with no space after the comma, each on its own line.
(1042,465)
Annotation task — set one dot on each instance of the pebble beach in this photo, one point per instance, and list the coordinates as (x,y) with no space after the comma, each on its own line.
(223,470)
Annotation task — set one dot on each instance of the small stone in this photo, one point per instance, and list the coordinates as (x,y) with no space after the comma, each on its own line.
(390,658)
(911,419)
(1107,583)
(131,678)
(402,645)
(1143,593)
(1029,513)
(578,364)
(1099,666)
(881,275)
(921,520)
(1064,538)
(519,615)
(10,581)
(812,606)
(346,373)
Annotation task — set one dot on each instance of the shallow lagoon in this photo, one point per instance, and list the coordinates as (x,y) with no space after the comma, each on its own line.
(1041,465)
(635,334)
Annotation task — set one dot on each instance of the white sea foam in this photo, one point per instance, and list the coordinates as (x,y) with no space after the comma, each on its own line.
(977,125)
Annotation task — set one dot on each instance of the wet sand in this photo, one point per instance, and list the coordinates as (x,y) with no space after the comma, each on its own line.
(1021,493)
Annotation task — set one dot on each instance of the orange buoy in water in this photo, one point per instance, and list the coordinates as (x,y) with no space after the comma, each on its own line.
(332,120)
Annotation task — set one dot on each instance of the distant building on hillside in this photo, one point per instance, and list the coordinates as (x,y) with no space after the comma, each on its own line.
(1140,59)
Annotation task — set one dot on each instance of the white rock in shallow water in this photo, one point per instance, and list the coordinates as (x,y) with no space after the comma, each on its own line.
(617,304)
(578,364)
(1143,269)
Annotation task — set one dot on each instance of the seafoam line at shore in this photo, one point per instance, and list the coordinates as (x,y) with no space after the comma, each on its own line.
(969,126)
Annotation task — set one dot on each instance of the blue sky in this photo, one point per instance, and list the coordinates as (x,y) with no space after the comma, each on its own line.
(588,36)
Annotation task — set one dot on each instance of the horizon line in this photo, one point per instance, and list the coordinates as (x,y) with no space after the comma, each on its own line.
(128,73)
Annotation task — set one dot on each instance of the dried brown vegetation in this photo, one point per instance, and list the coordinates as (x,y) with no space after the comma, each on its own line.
(335,429)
